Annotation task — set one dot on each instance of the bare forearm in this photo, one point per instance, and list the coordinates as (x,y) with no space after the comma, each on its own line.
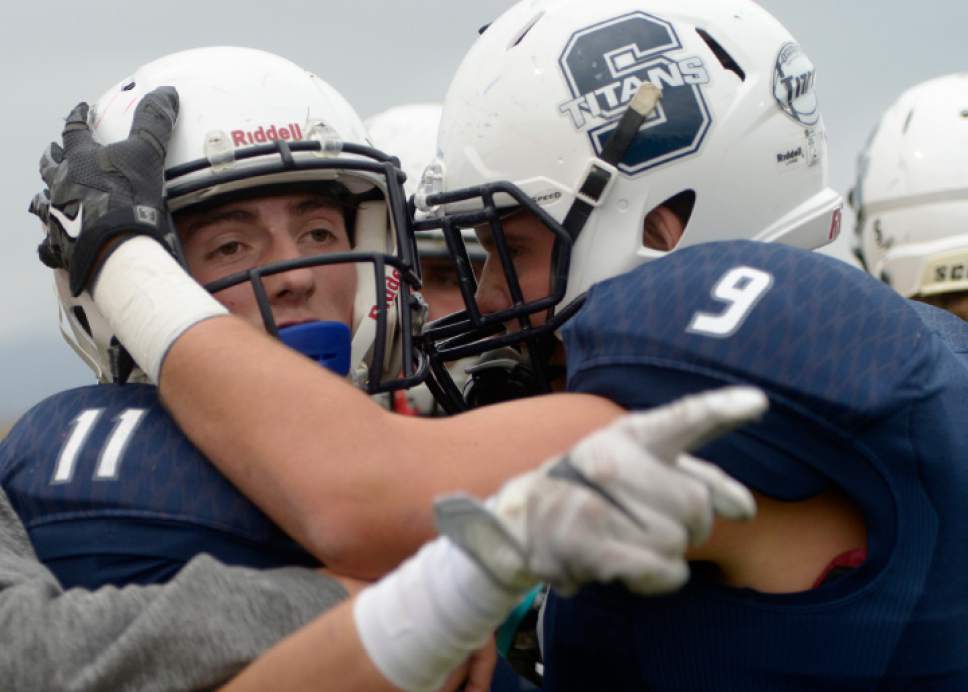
(326,654)
(412,630)
(265,417)
(350,481)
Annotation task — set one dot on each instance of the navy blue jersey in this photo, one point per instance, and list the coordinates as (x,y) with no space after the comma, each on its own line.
(112,492)
(951,329)
(867,395)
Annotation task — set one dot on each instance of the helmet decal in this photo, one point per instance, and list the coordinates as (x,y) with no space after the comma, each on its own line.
(289,132)
(793,85)
(605,64)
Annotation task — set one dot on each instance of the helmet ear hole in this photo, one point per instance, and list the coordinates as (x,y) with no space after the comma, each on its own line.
(665,225)
(682,205)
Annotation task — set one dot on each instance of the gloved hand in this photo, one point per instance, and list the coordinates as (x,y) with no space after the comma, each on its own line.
(96,193)
(623,505)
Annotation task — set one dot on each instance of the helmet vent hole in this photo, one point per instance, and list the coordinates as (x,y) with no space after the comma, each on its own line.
(907,122)
(81,318)
(525,29)
(964,113)
(725,59)
(128,87)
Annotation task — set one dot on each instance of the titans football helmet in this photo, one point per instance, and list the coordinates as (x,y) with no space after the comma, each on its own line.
(253,122)
(552,111)
(911,195)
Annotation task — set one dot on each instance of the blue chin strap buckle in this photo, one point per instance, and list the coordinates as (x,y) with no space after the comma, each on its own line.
(327,343)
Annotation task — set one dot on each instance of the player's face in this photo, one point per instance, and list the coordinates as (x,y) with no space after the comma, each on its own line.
(440,286)
(243,234)
(530,246)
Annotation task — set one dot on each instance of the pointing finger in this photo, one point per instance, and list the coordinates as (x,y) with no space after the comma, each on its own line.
(693,421)
(730,498)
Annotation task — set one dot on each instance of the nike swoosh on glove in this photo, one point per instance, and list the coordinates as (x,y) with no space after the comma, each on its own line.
(96,193)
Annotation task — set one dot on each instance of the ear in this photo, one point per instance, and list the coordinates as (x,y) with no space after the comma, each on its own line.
(662,229)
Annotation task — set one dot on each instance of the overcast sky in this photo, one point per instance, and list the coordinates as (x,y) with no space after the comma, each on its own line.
(378,53)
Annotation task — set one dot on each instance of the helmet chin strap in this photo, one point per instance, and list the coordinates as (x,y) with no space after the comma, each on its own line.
(122,364)
(602,170)
(506,373)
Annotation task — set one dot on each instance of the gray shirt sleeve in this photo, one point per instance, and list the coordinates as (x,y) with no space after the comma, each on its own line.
(193,632)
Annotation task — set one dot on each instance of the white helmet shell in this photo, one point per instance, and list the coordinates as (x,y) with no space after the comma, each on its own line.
(737,124)
(911,194)
(409,132)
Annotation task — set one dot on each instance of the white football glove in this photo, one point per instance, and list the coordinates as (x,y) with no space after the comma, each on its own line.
(623,505)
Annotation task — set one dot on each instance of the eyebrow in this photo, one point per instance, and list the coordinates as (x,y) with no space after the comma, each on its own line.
(298,208)
(213,217)
(314,203)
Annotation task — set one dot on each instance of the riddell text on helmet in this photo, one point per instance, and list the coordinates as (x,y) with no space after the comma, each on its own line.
(392,288)
(262,134)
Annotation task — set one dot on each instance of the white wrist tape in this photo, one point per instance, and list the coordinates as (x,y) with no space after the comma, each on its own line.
(149,301)
(423,619)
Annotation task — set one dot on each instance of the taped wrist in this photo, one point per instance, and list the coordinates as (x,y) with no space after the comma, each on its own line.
(86,258)
(422,620)
(149,301)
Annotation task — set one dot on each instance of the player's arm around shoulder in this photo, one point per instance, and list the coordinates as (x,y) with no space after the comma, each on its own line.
(350,481)
(384,515)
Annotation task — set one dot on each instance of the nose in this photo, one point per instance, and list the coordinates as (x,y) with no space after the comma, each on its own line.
(289,287)
(492,288)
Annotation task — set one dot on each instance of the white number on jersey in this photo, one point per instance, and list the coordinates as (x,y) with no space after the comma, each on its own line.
(741,289)
(107,463)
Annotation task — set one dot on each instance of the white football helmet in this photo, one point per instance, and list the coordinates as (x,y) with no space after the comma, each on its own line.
(409,132)
(252,120)
(911,194)
(531,118)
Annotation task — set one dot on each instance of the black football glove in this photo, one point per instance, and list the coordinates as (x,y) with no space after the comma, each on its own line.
(96,193)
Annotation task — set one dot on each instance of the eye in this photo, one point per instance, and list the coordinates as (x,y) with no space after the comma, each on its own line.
(320,236)
(229,248)
(517,250)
